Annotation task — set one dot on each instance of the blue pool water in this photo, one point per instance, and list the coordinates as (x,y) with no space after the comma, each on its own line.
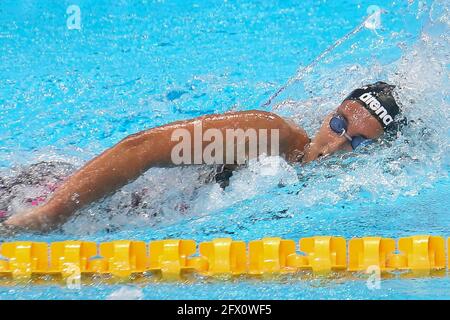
(66,95)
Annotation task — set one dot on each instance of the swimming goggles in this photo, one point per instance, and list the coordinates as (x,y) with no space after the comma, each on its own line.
(339,125)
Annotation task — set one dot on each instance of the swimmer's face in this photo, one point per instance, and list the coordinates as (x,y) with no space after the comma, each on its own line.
(360,122)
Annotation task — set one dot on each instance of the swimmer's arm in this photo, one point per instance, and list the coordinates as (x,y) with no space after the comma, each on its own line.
(134,155)
(101,176)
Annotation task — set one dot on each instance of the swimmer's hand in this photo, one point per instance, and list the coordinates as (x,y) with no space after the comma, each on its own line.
(37,219)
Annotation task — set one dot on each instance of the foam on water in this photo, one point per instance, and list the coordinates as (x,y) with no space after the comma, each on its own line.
(419,155)
(382,171)
(126,293)
(80,109)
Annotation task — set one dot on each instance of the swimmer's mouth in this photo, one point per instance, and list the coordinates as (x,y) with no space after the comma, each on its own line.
(322,156)
(318,157)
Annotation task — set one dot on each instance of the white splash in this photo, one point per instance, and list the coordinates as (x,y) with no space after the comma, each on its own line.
(126,293)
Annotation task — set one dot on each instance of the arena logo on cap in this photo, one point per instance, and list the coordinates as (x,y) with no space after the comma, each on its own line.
(376,106)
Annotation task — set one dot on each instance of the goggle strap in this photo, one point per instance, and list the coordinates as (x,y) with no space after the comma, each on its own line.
(344,134)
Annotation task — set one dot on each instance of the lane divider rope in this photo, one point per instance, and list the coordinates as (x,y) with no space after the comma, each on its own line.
(170,259)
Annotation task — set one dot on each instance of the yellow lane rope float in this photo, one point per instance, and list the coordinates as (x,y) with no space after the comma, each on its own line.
(170,259)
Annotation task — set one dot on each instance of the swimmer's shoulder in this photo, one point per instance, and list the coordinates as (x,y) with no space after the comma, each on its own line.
(296,128)
(294,138)
(262,115)
(253,113)
(296,132)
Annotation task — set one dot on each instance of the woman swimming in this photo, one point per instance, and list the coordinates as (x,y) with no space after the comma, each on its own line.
(364,116)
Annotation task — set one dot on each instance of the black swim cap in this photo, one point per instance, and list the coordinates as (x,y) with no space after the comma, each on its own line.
(377,98)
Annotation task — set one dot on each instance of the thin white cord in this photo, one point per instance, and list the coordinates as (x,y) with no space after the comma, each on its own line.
(303,71)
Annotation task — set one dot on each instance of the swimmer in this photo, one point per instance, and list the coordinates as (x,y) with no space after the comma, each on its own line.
(366,115)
